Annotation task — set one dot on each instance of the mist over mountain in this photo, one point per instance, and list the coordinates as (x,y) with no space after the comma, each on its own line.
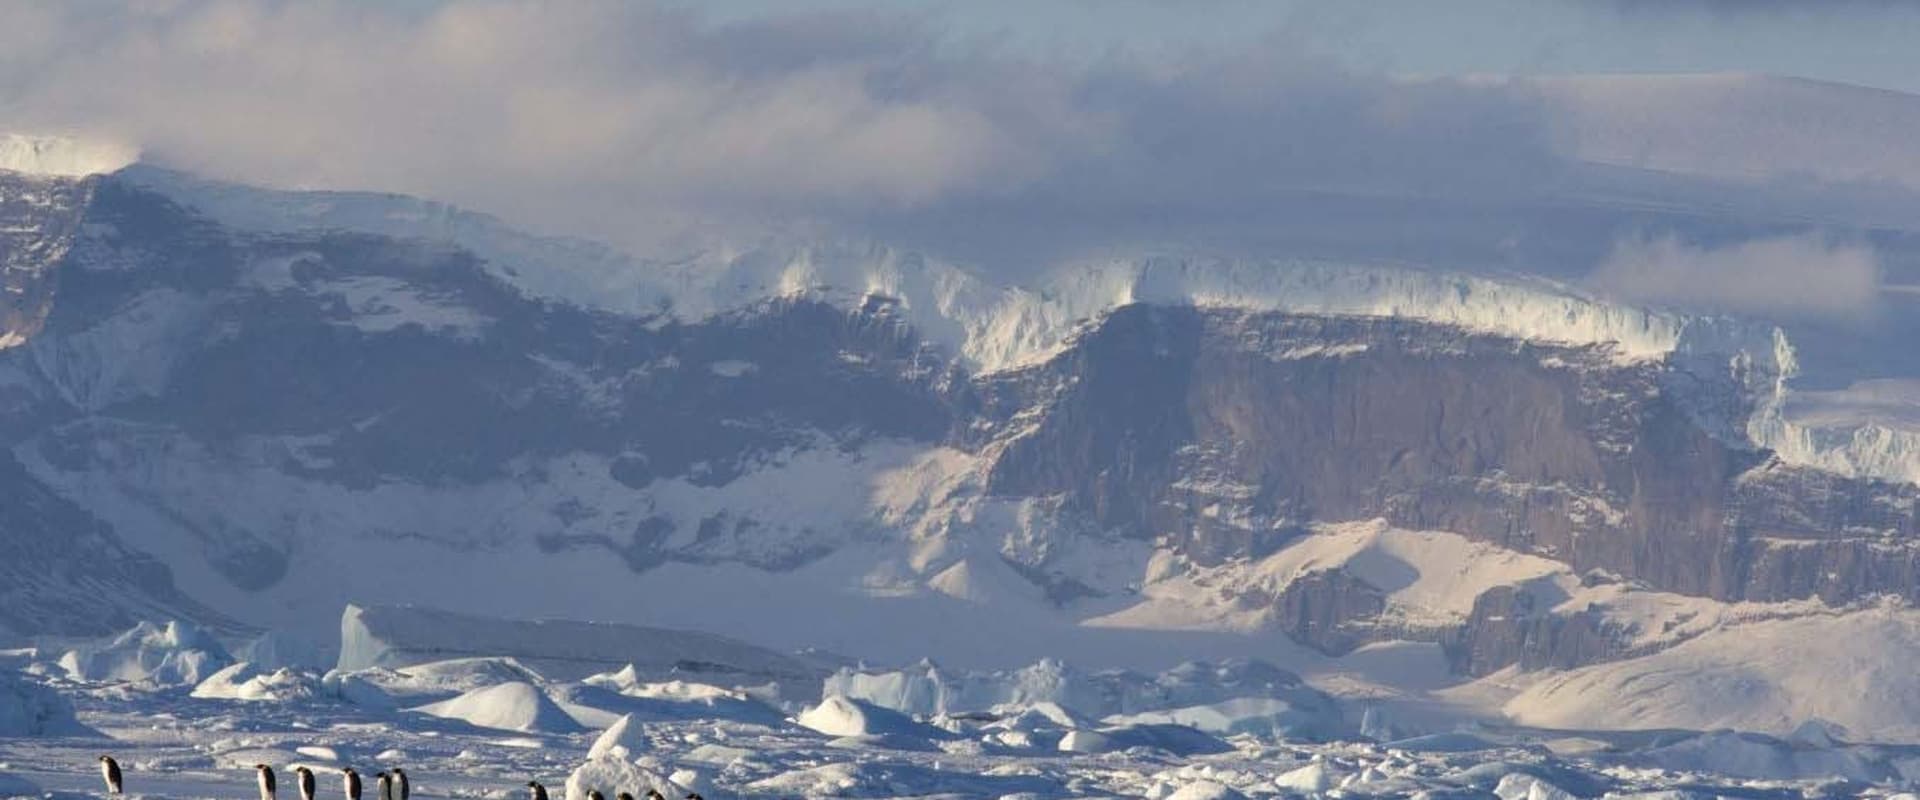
(1282,399)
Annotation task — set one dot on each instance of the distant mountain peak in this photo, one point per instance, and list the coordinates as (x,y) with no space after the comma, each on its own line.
(62,156)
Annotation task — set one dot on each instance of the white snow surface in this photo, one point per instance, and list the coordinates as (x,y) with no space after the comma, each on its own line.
(841,716)
(1430,578)
(1849,668)
(611,774)
(61,156)
(204,747)
(244,681)
(512,706)
(625,739)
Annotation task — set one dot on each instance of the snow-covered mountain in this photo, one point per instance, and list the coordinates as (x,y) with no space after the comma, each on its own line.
(251,408)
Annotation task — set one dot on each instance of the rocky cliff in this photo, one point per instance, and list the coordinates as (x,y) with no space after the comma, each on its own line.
(253,412)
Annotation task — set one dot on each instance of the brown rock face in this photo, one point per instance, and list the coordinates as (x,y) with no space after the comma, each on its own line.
(1221,433)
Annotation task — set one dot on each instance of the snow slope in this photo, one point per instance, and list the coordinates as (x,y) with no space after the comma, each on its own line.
(1430,578)
(1849,668)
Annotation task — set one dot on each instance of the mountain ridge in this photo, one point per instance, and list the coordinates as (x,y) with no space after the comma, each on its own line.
(264,405)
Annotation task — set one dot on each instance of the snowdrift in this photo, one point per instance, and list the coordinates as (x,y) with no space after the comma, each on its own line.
(612,774)
(30,709)
(401,636)
(624,739)
(841,716)
(601,699)
(245,681)
(176,655)
(508,706)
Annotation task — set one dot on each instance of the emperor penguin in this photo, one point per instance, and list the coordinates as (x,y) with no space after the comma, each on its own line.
(303,777)
(266,781)
(402,790)
(535,791)
(352,780)
(110,772)
(384,782)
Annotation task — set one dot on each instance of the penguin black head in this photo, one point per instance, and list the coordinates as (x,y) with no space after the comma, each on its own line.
(349,771)
(623,796)
(259,766)
(533,784)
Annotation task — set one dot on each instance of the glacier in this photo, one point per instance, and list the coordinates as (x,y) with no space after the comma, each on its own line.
(993,325)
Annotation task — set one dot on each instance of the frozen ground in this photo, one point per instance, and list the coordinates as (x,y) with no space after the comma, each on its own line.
(483,727)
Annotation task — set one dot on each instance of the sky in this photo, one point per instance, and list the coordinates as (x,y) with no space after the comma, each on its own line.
(1866,43)
(1015,135)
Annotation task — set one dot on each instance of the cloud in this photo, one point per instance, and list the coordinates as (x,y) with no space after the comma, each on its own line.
(1794,276)
(629,119)
(1757,8)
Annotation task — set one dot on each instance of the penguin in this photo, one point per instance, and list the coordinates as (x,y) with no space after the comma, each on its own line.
(110,771)
(694,796)
(535,791)
(594,794)
(402,789)
(266,781)
(654,794)
(385,783)
(623,796)
(352,780)
(303,778)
